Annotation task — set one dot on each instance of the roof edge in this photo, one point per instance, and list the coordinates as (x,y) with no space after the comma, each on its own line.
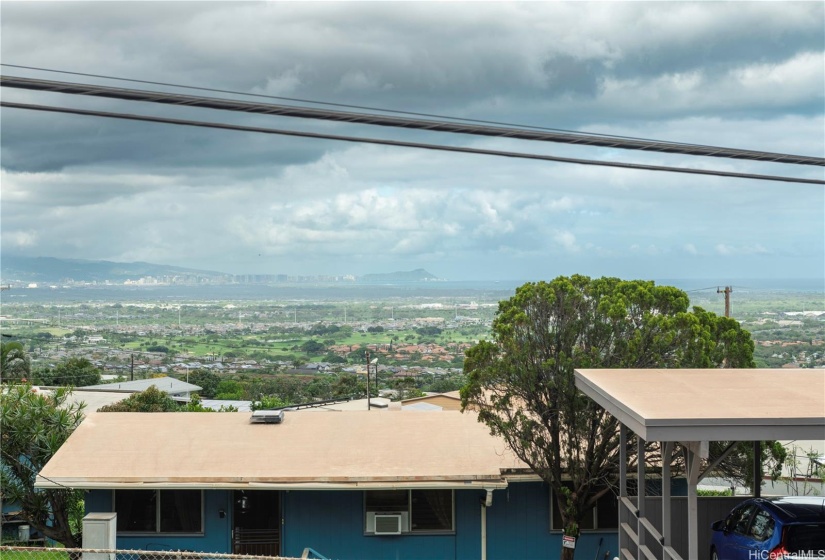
(489,484)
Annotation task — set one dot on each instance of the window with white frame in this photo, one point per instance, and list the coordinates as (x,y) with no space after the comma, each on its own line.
(408,511)
(605,515)
(159,511)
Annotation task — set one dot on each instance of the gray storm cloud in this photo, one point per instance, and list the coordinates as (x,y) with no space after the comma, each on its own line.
(743,74)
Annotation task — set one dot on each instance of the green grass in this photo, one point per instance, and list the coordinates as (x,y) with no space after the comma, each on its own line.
(34,554)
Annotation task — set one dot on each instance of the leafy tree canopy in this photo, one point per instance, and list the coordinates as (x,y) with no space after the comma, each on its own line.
(428,331)
(75,372)
(229,389)
(313,347)
(269,403)
(522,382)
(407,388)
(334,358)
(35,425)
(14,362)
(351,385)
(150,400)
(320,329)
(206,380)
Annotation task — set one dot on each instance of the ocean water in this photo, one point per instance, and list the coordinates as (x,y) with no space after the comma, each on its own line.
(470,290)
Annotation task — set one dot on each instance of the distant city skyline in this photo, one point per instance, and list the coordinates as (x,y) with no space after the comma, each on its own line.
(747,75)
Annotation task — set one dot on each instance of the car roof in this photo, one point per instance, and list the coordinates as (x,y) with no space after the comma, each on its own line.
(797,508)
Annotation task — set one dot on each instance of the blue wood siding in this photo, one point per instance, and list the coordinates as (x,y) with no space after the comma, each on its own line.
(216,536)
(518,526)
(332,522)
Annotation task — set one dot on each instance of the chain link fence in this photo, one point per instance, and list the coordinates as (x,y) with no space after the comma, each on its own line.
(42,553)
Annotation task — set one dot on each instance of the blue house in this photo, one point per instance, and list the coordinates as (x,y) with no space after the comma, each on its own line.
(351,485)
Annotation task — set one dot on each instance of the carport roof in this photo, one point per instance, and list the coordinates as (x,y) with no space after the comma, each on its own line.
(712,404)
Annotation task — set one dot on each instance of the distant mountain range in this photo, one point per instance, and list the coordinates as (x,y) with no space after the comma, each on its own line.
(52,270)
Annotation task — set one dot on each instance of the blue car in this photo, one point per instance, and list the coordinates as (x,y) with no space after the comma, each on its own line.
(791,528)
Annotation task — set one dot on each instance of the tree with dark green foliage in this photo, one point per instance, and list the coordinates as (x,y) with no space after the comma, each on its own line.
(206,380)
(155,400)
(71,372)
(351,385)
(150,400)
(446,384)
(194,405)
(313,347)
(358,356)
(321,329)
(35,425)
(319,388)
(14,362)
(406,388)
(522,382)
(269,403)
(230,390)
(334,358)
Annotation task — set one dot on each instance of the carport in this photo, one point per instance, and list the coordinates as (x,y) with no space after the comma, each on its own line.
(689,408)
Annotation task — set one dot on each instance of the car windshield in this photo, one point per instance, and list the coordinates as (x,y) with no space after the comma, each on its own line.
(809,538)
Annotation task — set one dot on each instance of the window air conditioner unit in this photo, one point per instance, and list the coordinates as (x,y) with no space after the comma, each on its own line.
(387,523)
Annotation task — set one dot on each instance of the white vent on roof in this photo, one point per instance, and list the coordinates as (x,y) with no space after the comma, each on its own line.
(267,417)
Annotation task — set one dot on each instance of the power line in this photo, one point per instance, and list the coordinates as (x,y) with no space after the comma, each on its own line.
(398,143)
(332,104)
(33,471)
(701,289)
(300,100)
(401,122)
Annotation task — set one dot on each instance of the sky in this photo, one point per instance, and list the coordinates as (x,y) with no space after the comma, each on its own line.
(732,74)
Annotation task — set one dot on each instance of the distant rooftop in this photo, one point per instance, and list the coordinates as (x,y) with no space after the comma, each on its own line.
(168,385)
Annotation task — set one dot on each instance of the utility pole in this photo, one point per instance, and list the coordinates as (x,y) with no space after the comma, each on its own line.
(367,354)
(727,292)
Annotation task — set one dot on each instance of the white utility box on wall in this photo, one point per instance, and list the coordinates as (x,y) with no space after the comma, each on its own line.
(100,532)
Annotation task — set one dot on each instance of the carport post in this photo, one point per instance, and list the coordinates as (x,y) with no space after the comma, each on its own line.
(757,469)
(667,453)
(693,464)
(640,495)
(623,536)
(623,461)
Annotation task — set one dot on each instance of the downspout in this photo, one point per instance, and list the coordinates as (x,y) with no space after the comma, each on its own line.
(483,532)
(485,503)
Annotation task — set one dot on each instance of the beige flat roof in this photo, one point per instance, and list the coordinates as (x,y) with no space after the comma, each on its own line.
(712,404)
(346,449)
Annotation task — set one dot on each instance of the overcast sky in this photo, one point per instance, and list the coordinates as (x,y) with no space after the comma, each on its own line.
(737,74)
